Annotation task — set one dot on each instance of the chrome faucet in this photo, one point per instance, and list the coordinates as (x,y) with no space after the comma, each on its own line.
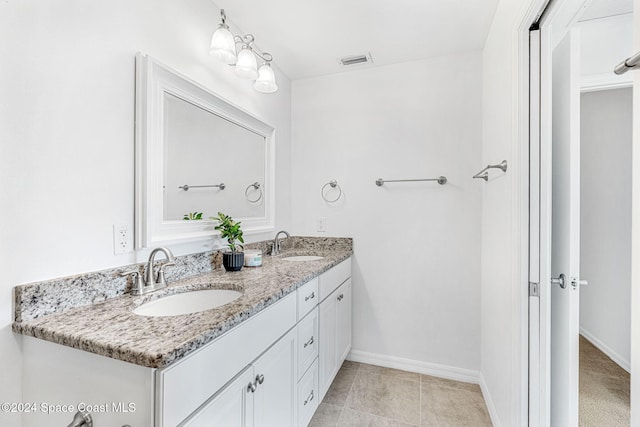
(275,249)
(149,283)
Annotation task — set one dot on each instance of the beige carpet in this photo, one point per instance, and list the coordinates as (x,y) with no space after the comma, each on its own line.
(604,389)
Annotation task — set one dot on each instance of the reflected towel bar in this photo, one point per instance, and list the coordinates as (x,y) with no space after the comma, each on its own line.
(483,174)
(441,180)
(187,187)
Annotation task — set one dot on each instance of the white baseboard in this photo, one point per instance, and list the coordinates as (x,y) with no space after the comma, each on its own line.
(491,407)
(433,369)
(620,361)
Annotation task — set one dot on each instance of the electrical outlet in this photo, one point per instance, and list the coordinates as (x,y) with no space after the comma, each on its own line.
(122,239)
(322,224)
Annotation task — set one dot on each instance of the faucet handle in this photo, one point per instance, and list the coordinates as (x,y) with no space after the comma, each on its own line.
(133,273)
(138,281)
(160,280)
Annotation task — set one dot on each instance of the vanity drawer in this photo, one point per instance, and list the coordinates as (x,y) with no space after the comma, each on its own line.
(308,395)
(330,280)
(307,341)
(307,297)
(187,384)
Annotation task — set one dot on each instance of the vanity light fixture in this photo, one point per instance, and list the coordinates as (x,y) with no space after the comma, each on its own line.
(223,48)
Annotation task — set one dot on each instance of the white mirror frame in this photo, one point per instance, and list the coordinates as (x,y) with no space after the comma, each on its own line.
(153,80)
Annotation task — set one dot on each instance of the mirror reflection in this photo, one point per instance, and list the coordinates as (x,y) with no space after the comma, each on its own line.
(211,164)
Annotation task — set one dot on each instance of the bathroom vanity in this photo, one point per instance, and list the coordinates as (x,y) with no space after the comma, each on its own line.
(264,359)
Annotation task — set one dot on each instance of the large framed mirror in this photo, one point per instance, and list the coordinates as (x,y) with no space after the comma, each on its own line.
(196,155)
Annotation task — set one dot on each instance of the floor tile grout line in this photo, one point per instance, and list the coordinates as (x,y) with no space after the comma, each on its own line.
(344,405)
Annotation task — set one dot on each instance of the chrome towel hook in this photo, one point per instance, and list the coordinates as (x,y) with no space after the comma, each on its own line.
(333,184)
(483,174)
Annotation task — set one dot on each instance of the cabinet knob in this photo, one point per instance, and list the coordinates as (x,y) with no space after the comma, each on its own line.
(251,387)
(260,378)
(308,297)
(340,297)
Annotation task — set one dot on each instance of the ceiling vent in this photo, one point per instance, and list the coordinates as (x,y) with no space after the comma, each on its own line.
(356,60)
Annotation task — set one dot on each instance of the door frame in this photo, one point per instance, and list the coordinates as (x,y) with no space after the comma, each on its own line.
(536,44)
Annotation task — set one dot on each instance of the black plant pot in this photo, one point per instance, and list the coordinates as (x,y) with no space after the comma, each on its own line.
(233,261)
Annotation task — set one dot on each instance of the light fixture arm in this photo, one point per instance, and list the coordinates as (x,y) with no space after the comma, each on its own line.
(247,41)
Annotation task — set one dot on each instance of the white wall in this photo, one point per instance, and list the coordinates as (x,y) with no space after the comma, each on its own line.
(416,263)
(66,133)
(605,221)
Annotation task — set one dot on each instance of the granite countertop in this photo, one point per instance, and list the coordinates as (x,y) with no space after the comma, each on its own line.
(111,329)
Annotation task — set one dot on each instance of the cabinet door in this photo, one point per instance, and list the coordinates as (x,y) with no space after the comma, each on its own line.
(230,407)
(327,357)
(276,377)
(343,322)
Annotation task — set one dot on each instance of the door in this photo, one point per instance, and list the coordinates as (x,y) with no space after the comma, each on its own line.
(565,231)
(343,322)
(327,347)
(276,376)
(232,406)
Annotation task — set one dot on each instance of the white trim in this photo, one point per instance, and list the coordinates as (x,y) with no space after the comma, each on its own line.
(608,351)
(604,81)
(427,368)
(491,407)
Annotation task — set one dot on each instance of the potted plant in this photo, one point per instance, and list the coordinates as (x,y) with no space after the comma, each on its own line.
(230,230)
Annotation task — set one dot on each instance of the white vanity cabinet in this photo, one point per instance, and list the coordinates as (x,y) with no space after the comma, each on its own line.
(335,323)
(262,395)
(271,370)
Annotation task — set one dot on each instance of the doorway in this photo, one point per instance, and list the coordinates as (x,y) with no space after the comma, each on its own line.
(581,230)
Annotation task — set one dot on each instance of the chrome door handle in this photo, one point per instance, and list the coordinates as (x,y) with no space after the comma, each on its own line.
(575,282)
(309,399)
(308,343)
(560,280)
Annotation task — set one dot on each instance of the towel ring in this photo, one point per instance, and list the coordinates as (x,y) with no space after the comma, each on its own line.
(256,185)
(334,184)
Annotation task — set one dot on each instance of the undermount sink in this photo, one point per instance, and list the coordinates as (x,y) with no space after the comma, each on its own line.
(188,302)
(300,258)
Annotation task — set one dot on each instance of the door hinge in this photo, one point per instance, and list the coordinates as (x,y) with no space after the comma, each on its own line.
(534,289)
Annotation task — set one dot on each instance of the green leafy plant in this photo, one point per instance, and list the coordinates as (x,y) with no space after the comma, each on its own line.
(193,216)
(230,230)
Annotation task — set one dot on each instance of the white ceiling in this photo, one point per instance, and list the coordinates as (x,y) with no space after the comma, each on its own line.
(306,37)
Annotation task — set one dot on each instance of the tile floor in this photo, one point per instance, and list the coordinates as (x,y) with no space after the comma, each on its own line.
(367,395)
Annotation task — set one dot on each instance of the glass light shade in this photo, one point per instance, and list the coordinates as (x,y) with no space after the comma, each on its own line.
(266,82)
(247,66)
(223,47)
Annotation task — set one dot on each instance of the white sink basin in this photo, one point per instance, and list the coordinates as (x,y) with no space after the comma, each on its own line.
(303,258)
(188,302)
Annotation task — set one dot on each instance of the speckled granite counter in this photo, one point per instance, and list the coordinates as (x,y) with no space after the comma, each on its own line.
(111,329)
